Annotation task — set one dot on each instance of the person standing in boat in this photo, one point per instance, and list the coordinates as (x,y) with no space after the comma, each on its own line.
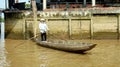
(43,29)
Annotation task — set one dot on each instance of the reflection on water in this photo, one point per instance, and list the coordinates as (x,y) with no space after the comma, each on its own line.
(3,62)
(25,53)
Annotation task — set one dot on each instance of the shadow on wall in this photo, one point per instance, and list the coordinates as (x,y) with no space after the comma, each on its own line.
(9,28)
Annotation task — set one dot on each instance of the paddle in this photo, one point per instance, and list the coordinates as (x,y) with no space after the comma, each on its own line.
(27,39)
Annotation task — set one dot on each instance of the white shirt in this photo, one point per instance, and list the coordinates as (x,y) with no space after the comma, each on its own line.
(43,27)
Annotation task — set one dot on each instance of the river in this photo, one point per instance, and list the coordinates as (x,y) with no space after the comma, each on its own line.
(25,53)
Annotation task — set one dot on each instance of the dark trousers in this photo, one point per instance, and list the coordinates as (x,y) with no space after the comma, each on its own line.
(43,36)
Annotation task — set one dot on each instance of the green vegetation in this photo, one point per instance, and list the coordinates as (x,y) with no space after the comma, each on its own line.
(1,19)
(27,5)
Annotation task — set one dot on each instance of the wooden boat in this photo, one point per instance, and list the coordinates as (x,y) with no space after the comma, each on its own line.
(70,46)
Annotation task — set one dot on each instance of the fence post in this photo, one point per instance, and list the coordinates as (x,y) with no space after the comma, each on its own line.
(91,28)
(34,9)
(25,30)
(69,28)
(118,26)
(80,26)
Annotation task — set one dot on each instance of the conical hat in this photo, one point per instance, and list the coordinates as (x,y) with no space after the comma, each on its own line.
(42,19)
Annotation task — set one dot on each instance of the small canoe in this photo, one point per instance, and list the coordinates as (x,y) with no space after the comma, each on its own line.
(69,46)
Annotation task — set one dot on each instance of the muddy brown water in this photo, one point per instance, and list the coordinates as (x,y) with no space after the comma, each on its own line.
(25,53)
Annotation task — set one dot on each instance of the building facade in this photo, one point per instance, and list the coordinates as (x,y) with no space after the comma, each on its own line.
(53,4)
(59,4)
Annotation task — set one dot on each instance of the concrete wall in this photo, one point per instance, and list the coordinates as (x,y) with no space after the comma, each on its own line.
(14,28)
(103,27)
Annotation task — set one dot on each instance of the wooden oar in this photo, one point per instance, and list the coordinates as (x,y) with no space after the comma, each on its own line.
(27,39)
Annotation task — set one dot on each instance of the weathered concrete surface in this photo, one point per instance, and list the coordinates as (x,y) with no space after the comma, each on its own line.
(14,28)
(103,26)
